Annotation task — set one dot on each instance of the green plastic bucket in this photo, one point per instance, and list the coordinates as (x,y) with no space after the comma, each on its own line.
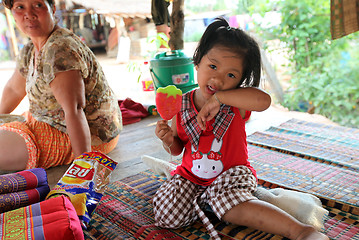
(173,68)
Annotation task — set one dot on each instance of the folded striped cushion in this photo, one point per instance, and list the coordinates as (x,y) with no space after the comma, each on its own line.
(54,219)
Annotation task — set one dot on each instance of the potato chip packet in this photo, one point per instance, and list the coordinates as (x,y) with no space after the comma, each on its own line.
(84,183)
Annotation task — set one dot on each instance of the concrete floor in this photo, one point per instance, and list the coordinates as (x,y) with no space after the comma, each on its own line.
(135,140)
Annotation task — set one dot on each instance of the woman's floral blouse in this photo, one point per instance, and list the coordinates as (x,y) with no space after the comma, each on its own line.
(64,51)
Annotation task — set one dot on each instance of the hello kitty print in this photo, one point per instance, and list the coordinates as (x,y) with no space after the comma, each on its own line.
(207,165)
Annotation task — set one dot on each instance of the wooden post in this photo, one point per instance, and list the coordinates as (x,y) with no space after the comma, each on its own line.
(14,47)
(177,25)
(272,77)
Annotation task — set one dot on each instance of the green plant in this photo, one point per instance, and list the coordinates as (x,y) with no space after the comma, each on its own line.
(135,67)
(333,92)
(160,40)
(324,72)
(155,43)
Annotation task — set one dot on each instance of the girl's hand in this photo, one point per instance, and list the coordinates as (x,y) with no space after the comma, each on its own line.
(208,111)
(164,132)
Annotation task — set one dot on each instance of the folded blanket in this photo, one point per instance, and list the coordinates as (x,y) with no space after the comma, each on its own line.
(11,201)
(132,111)
(24,180)
(53,219)
(305,207)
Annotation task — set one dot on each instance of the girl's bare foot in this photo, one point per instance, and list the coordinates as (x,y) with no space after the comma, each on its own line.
(311,234)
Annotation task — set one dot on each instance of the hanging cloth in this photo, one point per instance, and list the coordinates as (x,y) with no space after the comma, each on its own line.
(344,17)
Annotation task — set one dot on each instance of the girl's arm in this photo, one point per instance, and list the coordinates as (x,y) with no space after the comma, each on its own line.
(177,145)
(13,93)
(169,137)
(69,90)
(245,99)
(250,98)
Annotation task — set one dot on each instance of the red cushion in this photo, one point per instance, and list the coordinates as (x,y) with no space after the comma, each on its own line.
(60,219)
(53,219)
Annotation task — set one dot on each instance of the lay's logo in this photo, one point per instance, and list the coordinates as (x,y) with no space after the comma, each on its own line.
(77,171)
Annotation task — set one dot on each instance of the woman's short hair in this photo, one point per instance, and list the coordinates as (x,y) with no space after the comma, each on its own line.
(10,3)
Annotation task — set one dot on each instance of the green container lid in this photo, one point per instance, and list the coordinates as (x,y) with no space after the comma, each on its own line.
(173,68)
(170,59)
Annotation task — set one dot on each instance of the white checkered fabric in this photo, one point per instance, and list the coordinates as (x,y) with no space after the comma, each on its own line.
(178,202)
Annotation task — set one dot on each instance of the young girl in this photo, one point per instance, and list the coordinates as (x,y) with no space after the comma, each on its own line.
(211,129)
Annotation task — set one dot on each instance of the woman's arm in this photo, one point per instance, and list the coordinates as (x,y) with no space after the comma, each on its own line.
(13,93)
(69,90)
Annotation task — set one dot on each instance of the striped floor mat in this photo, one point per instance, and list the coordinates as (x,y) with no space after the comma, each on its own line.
(309,157)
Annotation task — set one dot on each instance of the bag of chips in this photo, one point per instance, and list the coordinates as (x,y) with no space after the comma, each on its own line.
(84,183)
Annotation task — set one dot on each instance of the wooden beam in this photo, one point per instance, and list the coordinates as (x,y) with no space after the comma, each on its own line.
(272,77)
(14,48)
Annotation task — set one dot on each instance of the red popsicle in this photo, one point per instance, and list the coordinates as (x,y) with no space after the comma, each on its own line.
(168,101)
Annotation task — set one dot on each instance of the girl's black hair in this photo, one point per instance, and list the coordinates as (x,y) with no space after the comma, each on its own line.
(219,33)
(10,3)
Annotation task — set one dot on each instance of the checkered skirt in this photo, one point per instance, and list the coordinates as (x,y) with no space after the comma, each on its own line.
(179,202)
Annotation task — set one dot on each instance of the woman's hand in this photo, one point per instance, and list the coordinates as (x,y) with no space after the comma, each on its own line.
(208,111)
(164,132)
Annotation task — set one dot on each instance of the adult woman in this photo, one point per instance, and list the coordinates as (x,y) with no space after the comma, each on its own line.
(72,108)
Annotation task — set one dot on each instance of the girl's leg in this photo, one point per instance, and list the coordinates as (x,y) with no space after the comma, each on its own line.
(267,217)
(13,151)
(173,203)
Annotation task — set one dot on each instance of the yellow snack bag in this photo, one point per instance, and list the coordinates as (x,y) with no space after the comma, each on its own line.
(84,182)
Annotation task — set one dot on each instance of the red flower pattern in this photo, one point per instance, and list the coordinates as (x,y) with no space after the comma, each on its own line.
(197,155)
(214,155)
